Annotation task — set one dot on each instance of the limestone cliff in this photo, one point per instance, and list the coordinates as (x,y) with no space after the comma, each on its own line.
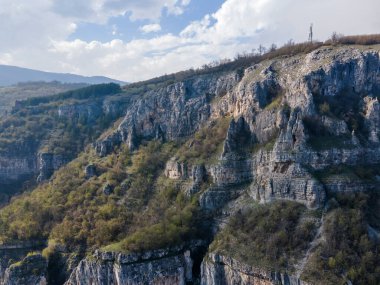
(165,267)
(41,148)
(30,271)
(297,126)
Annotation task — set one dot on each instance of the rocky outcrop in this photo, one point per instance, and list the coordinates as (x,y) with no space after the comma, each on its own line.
(48,163)
(30,271)
(169,113)
(90,171)
(218,269)
(268,152)
(88,112)
(372,117)
(108,189)
(176,170)
(238,136)
(288,181)
(164,267)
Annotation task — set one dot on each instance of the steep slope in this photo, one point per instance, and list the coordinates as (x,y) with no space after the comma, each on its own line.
(265,175)
(11,75)
(42,134)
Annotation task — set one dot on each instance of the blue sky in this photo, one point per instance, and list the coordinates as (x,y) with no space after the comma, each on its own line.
(121,27)
(134,40)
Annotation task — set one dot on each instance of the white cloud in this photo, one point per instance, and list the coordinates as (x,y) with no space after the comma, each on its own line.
(36,35)
(101,10)
(151,28)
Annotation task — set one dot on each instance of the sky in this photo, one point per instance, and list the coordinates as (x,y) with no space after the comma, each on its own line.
(133,40)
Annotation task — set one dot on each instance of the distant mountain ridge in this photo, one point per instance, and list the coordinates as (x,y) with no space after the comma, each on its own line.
(11,75)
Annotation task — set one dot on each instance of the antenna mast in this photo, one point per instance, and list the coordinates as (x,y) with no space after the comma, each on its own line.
(311,33)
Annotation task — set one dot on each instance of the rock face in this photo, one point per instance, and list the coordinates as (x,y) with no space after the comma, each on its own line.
(48,163)
(30,271)
(28,161)
(176,170)
(267,152)
(90,171)
(270,151)
(218,269)
(269,105)
(107,189)
(163,267)
(176,111)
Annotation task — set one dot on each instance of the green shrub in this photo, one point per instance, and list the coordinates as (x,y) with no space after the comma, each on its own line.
(272,236)
(347,252)
(207,143)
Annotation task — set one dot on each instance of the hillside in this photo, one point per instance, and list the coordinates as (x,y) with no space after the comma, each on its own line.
(10,94)
(11,75)
(263,170)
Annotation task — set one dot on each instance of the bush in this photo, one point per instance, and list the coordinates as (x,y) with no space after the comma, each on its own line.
(271,236)
(354,40)
(347,251)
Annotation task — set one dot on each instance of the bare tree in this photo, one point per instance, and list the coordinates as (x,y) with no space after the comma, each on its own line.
(335,38)
(261,49)
(273,47)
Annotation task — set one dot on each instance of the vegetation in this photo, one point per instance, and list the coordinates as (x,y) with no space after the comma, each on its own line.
(240,62)
(354,40)
(245,60)
(344,106)
(143,211)
(271,236)
(206,144)
(348,252)
(31,127)
(10,94)
(358,172)
(89,92)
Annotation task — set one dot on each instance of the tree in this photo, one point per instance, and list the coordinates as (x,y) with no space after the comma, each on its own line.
(261,49)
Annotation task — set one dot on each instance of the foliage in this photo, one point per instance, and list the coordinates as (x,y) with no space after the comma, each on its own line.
(10,94)
(206,144)
(39,128)
(354,40)
(357,172)
(348,252)
(275,104)
(73,211)
(344,106)
(271,236)
(240,62)
(89,92)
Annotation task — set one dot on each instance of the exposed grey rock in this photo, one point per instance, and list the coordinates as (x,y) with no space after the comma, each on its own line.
(166,267)
(238,136)
(168,113)
(48,163)
(30,271)
(372,116)
(108,189)
(287,181)
(334,126)
(90,171)
(218,269)
(10,253)
(175,169)
(198,176)
(88,112)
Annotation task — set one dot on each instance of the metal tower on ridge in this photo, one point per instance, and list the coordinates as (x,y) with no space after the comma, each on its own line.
(311,33)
